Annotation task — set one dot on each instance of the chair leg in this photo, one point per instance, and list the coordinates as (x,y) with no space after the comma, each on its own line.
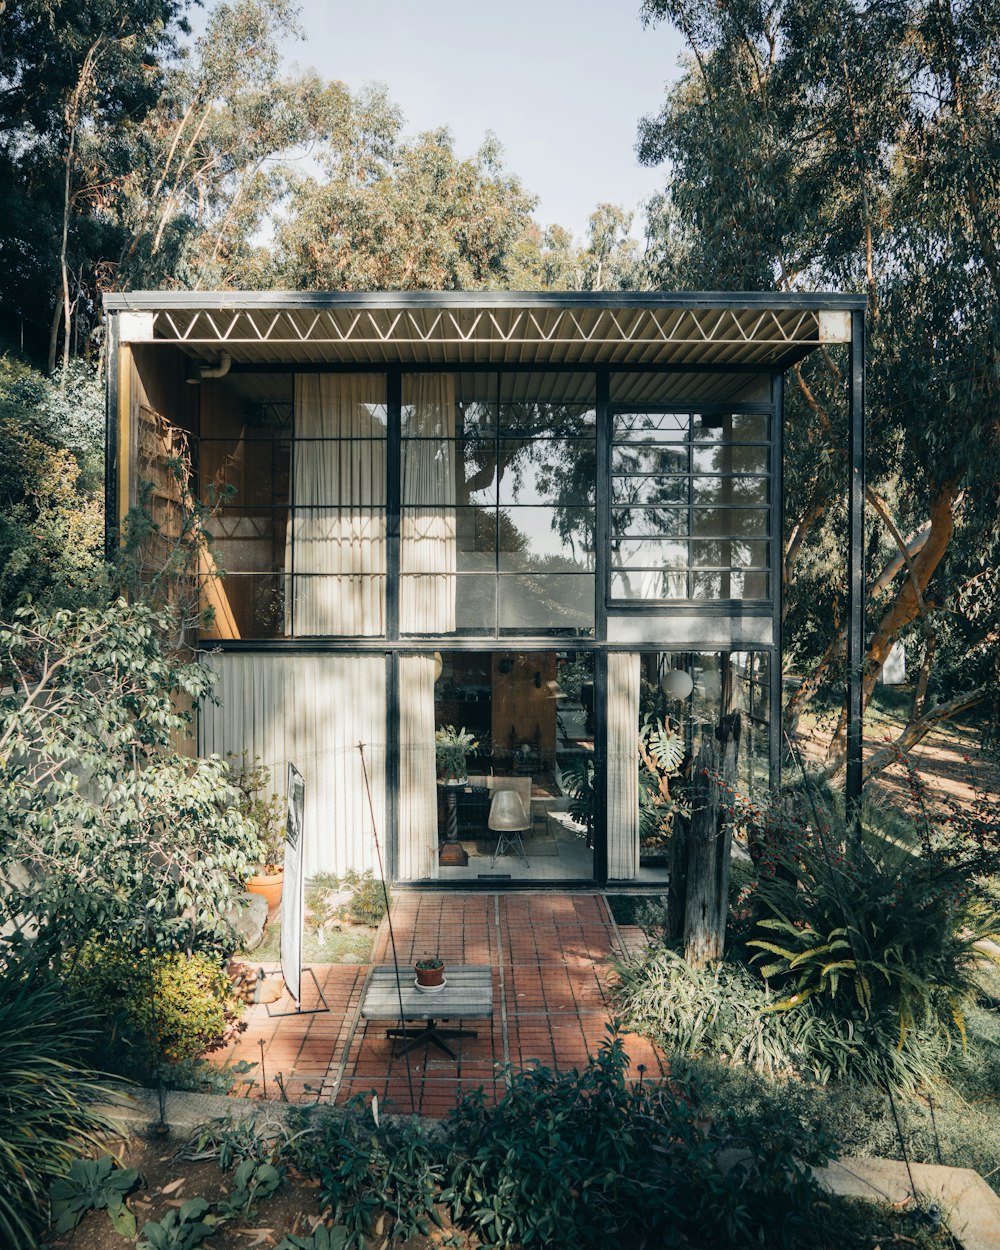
(510,840)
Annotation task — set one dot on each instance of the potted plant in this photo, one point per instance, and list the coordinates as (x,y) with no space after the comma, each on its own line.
(451,748)
(430,971)
(268,813)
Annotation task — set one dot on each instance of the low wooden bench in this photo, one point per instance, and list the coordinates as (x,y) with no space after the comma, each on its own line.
(467,995)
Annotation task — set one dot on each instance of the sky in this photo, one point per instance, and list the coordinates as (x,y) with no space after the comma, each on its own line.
(562,84)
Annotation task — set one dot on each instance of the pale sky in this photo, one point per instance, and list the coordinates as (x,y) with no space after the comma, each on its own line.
(562,84)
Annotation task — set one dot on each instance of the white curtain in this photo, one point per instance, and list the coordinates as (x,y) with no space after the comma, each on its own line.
(312,710)
(417,811)
(426,605)
(427,533)
(339,497)
(623,764)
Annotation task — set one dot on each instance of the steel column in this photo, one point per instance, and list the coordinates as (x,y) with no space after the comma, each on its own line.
(856,567)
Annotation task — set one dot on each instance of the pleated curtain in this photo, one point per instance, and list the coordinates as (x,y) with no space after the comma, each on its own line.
(623,764)
(417,840)
(312,710)
(427,527)
(337,531)
(428,560)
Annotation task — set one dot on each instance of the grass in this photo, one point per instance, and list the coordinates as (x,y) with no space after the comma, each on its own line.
(328,948)
(333,933)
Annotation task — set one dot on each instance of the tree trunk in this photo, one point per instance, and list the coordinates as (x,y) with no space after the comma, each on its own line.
(905,608)
(710,844)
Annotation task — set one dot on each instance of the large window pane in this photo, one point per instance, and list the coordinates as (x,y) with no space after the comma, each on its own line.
(727,458)
(706,553)
(648,584)
(244,605)
(668,522)
(547,470)
(563,603)
(650,490)
(546,539)
(476,604)
(729,521)
(734,490)
(650,553)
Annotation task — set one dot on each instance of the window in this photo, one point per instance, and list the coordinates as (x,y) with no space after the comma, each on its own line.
(498,482)
(690,506)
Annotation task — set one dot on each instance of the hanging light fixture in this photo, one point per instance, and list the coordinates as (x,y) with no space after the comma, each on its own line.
(676,683)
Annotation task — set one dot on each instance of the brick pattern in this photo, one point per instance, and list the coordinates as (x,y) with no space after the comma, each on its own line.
(551,960)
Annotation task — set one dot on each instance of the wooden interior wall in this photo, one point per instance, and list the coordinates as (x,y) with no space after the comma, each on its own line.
(160,422)
(524,709)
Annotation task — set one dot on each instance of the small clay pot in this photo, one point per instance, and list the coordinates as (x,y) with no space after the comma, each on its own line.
(429,976)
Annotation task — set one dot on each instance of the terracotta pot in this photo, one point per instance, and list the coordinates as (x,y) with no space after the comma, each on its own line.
(268,886)
(429,976)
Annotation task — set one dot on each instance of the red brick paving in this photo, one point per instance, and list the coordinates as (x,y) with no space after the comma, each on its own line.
(551,960)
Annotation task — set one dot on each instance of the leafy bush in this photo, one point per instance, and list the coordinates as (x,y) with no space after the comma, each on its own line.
(151,846)
(265,811)
(728,1012)
(589,1158)
(94,1185)
(878,936)
(395,1166)
(47,1109)
(724,1011)
(159,1007)
(184,1228)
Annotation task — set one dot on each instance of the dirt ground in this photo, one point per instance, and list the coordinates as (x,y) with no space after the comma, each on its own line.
(950,761)
(169,1182)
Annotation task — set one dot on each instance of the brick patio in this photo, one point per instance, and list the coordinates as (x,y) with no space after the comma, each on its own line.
(550,955)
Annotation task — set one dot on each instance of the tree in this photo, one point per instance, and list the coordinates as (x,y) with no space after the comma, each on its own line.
(51,488)
(392,214)
(75,77)
(815,145)
(106,829)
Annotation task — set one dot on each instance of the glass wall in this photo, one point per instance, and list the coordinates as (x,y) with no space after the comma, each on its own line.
(245,452)
(661,706)
(498,504)
(509,769)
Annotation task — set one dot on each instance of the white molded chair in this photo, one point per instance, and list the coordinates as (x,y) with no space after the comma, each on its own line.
(509,817)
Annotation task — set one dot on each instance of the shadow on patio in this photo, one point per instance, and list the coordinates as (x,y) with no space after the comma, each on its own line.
(550,959)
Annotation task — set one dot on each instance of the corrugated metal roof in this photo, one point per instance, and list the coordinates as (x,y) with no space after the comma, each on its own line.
(647,329)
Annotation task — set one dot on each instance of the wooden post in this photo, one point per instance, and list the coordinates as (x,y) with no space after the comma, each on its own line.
(709,845)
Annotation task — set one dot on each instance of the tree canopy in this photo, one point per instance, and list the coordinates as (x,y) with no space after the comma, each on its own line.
(856,147)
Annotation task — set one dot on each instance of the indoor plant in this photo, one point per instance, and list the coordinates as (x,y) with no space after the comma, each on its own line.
(451,747)
(430,971)
(268,813)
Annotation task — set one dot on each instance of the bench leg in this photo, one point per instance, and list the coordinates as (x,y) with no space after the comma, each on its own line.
(407,1039)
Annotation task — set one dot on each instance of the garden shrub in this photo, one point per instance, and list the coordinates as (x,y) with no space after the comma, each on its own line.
(878,937)
(151,847)
(367,905)
(592,1158)
(47,1110)
(159,1007)
(848,957)
(394,1166)
(724,1010)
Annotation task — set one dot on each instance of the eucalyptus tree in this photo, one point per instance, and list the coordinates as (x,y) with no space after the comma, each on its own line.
(856,146)
(75,76)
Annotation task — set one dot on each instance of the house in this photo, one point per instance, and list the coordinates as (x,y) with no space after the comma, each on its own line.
(536,517)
